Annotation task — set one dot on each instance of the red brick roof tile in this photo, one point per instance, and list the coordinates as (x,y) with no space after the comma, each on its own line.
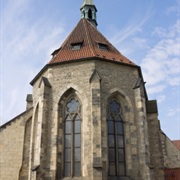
(177,143)
(89,36)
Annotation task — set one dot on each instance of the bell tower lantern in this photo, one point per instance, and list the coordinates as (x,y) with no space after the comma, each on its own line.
(88,11)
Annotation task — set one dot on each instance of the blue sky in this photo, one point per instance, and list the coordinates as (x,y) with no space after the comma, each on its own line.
(145,31)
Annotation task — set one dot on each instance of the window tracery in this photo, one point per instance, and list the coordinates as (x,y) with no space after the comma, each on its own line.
(116,145)
(72,138)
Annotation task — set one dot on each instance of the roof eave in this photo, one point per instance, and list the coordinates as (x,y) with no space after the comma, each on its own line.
(10,121)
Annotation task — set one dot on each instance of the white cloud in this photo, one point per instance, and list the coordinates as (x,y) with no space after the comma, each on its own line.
(173,112)
(133,26)
(159,31)
(174,81)
(161,98)
(156,89)
(173,65)
(174,8)
(153,70)
(21,54)
(161,64)
(140,42)
(170,32)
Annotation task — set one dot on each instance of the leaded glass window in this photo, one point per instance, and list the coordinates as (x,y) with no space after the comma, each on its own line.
(116,146)
(72,139)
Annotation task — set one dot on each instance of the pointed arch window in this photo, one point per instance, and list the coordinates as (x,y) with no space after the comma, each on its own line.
(116,146)
(90,14)
(72,138)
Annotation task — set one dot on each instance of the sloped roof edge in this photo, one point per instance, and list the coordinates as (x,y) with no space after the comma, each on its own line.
(10,121)
(85,32)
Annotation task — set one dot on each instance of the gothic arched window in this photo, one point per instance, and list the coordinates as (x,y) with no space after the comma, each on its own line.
(72,138)
(116,147)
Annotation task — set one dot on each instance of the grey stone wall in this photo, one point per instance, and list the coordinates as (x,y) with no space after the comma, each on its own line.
(23,174)
(11,146)
(118,81)
(156,154)
(170,152)
(94,82)
(34,140)
(62,78)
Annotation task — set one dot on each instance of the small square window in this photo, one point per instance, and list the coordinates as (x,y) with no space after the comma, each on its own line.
(76,46)
(102,46)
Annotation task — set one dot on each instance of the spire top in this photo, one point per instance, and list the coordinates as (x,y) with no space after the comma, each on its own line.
(87,2)
(88,11)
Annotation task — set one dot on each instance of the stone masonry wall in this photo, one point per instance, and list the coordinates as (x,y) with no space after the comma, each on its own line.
(94,83)
(11,146)
(116,80)
(23,174)
(156,155)
(62,78)
(170,152)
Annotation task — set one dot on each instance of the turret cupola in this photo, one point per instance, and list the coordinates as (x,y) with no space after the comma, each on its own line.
(88,11)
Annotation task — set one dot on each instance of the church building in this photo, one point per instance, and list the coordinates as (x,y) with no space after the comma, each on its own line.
(88,117)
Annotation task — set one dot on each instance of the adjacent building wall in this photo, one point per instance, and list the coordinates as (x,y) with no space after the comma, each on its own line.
(146,148)
(156,155)
(170,152)
(11,146)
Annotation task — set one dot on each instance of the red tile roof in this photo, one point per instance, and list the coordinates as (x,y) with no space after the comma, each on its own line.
(90,37)
(172,174)
(177,143)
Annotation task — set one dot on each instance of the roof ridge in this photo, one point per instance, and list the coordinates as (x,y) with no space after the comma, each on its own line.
(67,39)
(88,36)
(117,51)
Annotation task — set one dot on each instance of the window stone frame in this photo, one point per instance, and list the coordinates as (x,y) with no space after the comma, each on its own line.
(70,93)
(115,134)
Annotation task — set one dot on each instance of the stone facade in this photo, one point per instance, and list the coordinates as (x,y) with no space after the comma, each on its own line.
(56,140)
(34,140)
(156,154)
(170,153)
(13,146)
